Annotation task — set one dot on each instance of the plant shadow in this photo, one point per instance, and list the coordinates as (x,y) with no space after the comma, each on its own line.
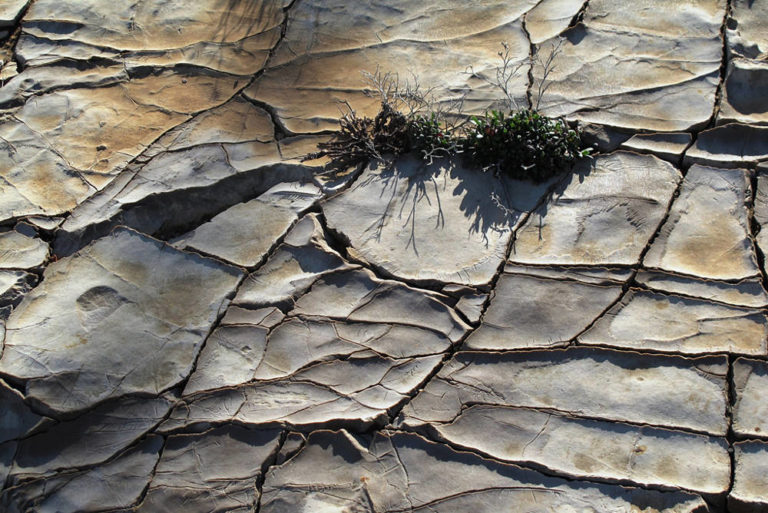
(451,198)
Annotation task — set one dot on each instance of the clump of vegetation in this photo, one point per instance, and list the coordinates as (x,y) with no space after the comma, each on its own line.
(361,139)
(522,143)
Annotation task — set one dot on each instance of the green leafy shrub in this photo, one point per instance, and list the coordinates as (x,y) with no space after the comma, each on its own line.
(427,133)
(523,144)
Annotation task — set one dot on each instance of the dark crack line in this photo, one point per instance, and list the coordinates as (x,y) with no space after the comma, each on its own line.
(341,244)
(274,247)
(660,352)
(145,491)
(531,53)
(579,16)
(214,326)
(731,436)
(281,131)
(723,64)
(755,227)
(268,463)
(639,265)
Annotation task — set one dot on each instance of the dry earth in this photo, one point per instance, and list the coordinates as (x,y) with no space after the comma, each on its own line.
(194,320)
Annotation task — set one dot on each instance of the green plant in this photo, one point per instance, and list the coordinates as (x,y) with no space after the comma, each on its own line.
(523,144)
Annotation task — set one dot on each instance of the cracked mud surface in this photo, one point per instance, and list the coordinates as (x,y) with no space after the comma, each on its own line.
(193,319)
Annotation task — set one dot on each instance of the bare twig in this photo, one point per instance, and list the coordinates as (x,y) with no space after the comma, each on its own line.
(548,66)
(508,70)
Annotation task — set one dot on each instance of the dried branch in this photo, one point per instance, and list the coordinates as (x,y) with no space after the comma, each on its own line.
(548,67)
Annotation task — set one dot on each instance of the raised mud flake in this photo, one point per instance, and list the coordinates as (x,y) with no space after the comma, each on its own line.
(431,222)
(359,296)
(117,484)
(605,213)
(668,146)
(750,478)
(46,223)
(311,372)
(308,376)
(239,354)
(34,178)
(233,37)
(528,311)
(215,471)
(366,25)
(745,92)
(267,317)
(664,391)
(7,451)
(14,285)
(314,67)
(654,321)
(730,145)
(471,305)
(551,17)
(230,355)
(297,343)
(127,314)
(405,472)
(294,442)
(100,130)
(90,439)
(594,449)
(10,12)
(761,207)
(234,350)
(747,29)
(176,191)
(42,52)
(720,248)
(244,233)
(296,264)
(275,403)
(16,418)
(237,121)
(371,380)
(19,251)
(36,81)
(748,292)
(625,68)
(750,413)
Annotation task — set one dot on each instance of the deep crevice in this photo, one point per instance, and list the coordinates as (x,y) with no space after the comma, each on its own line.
(579,16)
(8,47)
(265,466)
(723,64)
(731,436)
(531,53)
(755,226)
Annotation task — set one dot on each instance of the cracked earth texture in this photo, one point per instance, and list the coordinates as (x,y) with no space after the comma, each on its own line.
(194,320)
